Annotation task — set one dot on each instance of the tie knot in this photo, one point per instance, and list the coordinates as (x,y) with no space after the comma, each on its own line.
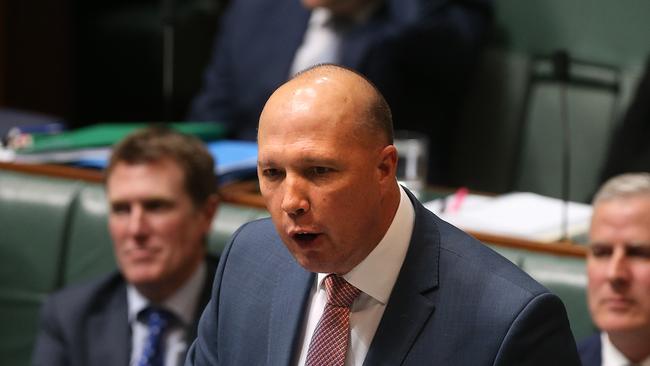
(157,318)
(339,292)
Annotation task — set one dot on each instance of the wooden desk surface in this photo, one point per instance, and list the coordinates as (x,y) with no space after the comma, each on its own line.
(247,193)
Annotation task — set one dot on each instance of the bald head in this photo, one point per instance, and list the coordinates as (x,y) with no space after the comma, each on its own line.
(326,167)
(347,98)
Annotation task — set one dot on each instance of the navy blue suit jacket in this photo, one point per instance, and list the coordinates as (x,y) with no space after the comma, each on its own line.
(87,324)
(590,351)
(455,302)
(419,53)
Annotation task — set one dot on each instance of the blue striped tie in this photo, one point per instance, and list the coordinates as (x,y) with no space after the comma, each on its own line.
(157,320)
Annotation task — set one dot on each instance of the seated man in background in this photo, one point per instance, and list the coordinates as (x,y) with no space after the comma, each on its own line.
(161,191)
(618,267)
(351,269)
(419,53)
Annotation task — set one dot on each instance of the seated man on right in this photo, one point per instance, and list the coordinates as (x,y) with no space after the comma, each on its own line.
(618,267)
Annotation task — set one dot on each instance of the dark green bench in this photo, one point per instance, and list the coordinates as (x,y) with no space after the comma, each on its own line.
(53,232)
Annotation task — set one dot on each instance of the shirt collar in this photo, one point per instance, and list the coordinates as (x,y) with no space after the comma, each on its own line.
(181,303)
(377,273)
(613,357)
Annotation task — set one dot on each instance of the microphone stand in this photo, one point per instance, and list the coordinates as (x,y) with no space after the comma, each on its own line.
(561,62)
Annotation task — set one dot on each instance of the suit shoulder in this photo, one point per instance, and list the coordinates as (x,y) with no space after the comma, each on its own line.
(476,256)
(75,299)
(257,243)
(256,234)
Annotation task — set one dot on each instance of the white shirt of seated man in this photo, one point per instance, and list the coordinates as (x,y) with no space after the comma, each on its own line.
(613,357)
(325,31)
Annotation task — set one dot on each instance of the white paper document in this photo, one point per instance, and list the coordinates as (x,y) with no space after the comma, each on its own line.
(520,215)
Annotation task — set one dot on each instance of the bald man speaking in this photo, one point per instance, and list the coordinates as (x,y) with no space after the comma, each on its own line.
(351,269)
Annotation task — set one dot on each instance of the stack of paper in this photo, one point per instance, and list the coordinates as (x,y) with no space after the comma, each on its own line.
(519,215)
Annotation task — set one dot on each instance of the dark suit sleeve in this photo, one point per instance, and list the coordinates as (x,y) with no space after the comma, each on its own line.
(50,347)
(539,335)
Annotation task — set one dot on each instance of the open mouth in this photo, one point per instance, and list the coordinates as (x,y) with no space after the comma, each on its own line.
(305,238)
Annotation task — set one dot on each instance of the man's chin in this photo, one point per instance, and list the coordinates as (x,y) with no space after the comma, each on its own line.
(312,264)
(617,323)
(142,277)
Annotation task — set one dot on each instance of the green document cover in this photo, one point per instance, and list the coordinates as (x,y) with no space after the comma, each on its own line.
(106,134)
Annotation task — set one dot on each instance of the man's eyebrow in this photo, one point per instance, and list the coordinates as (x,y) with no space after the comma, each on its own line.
(637,244)
(318,161)
(265,162)
(309,160)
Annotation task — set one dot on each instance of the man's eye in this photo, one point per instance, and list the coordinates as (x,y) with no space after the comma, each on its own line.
(271,173)
(638,251)
(120,209)
(600,251)
(320,170)
(157,205)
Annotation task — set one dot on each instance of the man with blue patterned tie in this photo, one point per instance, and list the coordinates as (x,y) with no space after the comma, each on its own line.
(161,191)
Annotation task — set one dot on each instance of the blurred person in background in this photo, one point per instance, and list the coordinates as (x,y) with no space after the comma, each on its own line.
(161,191)
(419,53)
(618,268)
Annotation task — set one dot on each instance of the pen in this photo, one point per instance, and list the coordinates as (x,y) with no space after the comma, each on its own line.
(457,199)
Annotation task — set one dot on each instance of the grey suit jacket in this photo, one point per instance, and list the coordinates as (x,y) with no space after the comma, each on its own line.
(87,324)
(455,302)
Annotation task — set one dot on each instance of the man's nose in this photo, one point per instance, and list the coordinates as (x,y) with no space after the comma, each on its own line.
(294,200)
(617,269)
(137,221)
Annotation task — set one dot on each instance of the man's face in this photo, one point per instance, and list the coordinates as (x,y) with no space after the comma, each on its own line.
(322,184)
(618,265)
(158,233)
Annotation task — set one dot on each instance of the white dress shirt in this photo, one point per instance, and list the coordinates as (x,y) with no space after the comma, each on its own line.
(322,39)
(375,276)
(611,356)
(182,303)
(320,43)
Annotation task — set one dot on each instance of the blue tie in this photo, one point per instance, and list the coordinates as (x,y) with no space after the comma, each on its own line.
(157,321)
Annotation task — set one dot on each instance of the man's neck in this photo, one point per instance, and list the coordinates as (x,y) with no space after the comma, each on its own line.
(161,291)
(634,346)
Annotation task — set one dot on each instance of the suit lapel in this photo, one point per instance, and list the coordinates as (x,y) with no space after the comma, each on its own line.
(109,332)
(289,299)
(206,293)
(410,304)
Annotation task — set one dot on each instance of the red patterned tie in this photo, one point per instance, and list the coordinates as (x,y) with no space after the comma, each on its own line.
(329,344)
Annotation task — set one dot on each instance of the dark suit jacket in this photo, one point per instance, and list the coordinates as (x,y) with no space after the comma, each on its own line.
(590,351)
(629,150)
(455,302)
(419,53)
(87,324)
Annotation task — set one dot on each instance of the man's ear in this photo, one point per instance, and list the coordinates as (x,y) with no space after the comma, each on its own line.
(209,209)
(387,164)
